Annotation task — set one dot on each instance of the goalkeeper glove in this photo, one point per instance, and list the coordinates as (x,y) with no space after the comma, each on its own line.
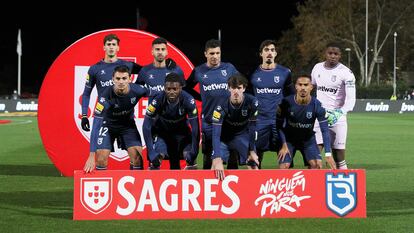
(333,116)
(85,123)
(170,64)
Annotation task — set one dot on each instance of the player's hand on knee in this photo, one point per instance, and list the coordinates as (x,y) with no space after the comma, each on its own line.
(85,123)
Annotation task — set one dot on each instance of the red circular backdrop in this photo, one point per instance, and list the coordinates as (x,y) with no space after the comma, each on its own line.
(66,144)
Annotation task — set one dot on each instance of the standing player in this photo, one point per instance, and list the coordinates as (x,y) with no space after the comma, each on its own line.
(100,75)
(166,131)
(212,77)
(234,127)
(296,117)
(114,116)
(336,91)
(153,75)
(270,83)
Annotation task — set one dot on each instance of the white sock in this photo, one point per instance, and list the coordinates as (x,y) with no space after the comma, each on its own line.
(342,165)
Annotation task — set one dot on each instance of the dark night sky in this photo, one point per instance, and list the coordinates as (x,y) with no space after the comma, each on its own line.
(48,30)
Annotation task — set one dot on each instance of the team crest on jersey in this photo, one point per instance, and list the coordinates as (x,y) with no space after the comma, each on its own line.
(224,72)
(100,140)
(99,108)
(259,79)
(133,100)
(309,115)
(102,99)
(96,194)
(244,112)
(103,72)
(151,76)
(276,79)
(333,78)
(292,113)
(205,76)
(216,115)
(341,192)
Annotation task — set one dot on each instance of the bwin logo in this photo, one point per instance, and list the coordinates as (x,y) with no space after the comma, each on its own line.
(341,193)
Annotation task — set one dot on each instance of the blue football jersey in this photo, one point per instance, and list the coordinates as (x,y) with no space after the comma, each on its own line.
(116,109)
(269,87)
(299,119)
(213,86)
(172,117)
(154,78)
(100,75)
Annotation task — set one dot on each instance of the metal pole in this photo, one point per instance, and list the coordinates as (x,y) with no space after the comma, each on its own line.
(394,84)
(378,73)
(366,42)
(349,57)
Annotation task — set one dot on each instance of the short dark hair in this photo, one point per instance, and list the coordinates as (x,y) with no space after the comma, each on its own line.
(236,80)
(159,40)
(302,75)
(334,44)
(110,37)
(267,43)
(174,78)
(121,69)
(213,43)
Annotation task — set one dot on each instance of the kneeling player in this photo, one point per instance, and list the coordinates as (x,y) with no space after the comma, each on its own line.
(166,131)
(234,127)
(296,117)
(115,115)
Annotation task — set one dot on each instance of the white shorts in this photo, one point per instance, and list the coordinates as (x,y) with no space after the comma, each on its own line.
(337,133)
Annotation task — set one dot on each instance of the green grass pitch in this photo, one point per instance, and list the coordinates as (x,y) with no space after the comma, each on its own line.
(35,198)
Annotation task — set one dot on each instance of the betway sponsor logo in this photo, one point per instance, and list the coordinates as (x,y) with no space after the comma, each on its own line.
(107,83)
(158,88)
(327,89)
(407,107)
(377,107)
(268,90)
(171,199)
(300,125)
(32,106)
(215,86)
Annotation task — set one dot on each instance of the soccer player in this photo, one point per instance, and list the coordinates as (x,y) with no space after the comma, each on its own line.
(270,82)
(114,116)
(153,75)
(166,129)
(336,91)
(296,117)
(234,127)
(100,75)
(212,77)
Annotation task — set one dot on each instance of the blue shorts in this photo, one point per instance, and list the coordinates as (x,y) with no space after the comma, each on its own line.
(308,148)
(173,146)
(128,134)
(266,140)
(240,144)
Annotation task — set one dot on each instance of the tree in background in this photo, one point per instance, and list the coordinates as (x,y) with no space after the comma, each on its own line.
(321,21)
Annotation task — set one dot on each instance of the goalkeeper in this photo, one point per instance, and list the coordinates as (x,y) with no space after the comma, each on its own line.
(336,91)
